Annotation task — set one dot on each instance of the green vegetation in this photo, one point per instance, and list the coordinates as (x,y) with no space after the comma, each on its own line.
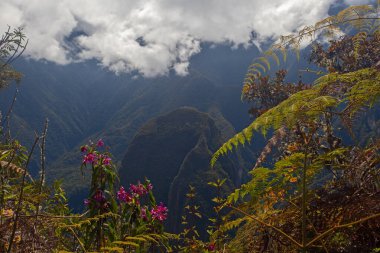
(320,194)
(314,187)
(12,45)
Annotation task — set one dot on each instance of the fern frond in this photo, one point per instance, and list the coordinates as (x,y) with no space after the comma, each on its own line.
(112,249)
(135,238)
(127,243)
(87,221)
(233,224)
(284,54)
(264,60)
(12,167)
(273,54)
(310,104)
(358,39)
(256,65)
(363,18)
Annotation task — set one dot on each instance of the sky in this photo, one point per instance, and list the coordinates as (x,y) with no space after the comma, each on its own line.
(152,37)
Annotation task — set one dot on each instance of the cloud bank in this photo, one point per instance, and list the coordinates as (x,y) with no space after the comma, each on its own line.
(151,37)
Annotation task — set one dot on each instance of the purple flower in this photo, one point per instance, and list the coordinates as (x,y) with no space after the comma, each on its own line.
(100,143)
(86,202)
(123,196)
(106,160)
(99,196)
(89,158)
(83,149)
(159,212)
(138,189)
(149,187)
(211,247)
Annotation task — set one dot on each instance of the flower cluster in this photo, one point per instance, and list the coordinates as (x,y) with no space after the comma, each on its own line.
(99,196)
(98,200)
(124,196)
(140,189)
(136,191)
(91,156)
(159,212)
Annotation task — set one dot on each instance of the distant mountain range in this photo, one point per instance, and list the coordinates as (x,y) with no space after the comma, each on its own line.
(83,102)
(164,128)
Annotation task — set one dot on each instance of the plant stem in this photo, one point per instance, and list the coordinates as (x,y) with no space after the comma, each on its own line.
(267,225)
(42,176)
(7,130)
(19,204)
(78,239)
(304,194)
(319,237)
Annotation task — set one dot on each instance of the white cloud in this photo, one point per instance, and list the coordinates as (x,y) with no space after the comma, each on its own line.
(150,36)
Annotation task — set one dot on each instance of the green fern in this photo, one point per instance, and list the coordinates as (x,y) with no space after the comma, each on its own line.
(308,105)
(363,18)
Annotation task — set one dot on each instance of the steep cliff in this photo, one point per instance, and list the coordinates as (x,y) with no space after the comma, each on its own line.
(174,151)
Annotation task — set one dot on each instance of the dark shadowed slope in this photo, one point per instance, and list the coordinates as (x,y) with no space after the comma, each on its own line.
(174,151)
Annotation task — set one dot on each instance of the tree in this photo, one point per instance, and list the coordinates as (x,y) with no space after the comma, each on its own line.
(321,193)
(12,45)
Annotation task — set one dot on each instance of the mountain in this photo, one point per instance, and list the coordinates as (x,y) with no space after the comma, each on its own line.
(174,151)
(83,101)
(150,101)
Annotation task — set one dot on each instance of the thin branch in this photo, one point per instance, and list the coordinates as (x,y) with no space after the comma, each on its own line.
(8,118)
(319,237)
(76,237)
(14,56)
(267,225)
(304,193)
(300,36)
(5,37)
(312,225)
(56,216)
(42,156)
(42,173)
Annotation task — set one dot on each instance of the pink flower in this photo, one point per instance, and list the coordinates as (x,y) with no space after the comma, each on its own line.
(138,189)
(123,196)
(100,143)
(86,202)
(149,187)
(89,158)
(211,247)
(99,196)
(106,160)
(83,149)
(159,212)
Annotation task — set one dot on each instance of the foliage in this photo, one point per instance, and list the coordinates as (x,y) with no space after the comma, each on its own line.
(35,217)
(12,45)
(363,18)
(189,240)
(28,208)
(320,194)
(134,223)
